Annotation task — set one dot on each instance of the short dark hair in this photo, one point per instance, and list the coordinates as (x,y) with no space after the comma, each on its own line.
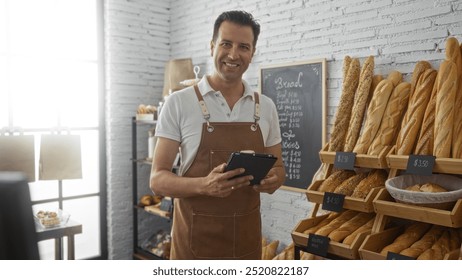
(238,17)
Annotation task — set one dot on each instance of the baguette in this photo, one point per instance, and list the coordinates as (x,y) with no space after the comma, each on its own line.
(411,234)
(335,223)
(395,77)
(374,116)
(334,180)
(346,66)
(453,54)
(412,120)
(376,79)
(441,246)
(322,223)
(347,187)
(360,103)
(424,243)
(419,68)
(389,126)
(350,226)
(376,178)
(344,110)
(425,142)
(444,117)
(364,228)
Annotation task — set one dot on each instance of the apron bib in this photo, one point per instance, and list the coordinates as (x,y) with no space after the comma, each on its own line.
(207,227)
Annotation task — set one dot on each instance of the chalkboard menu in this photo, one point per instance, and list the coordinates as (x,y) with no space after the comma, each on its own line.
(298,90)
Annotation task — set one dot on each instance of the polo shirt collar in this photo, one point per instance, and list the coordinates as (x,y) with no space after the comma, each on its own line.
(205,87)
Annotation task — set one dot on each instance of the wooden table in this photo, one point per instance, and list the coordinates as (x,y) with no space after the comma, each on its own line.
(58,233)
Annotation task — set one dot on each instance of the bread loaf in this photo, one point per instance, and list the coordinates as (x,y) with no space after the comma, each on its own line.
(346,66)
(411,234)
(376,79)
(350,226)
(360,103)
(425,142)
(374,116)
(412,120)
(423,243)
(367,227)
(322,223)
(419,68)
(344,109)
(335,223)
(391,120)
(441,246)
(395,77)
(375,178)
(334,180)
(431,187)
(453,54)
(347,186)
(444,117)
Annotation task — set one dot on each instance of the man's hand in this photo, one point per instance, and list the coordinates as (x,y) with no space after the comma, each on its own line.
(270,183)
(219,184)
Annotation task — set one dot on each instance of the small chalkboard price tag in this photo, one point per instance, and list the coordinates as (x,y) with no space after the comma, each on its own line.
(333,201)
(317,244)
(420,165)
(395,256)
(345,160)
(166,205)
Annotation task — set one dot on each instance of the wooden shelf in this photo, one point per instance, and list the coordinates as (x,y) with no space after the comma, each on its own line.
(384,204)
(352,203)
(335,248)
(442,165)
(362,160)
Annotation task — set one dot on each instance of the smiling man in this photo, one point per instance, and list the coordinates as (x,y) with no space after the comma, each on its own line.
(217,215)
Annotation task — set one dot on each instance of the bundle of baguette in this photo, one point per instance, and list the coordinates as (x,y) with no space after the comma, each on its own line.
(421,117)
(349,183)
(269,249)
(425,242)
(441,123)
(343,227)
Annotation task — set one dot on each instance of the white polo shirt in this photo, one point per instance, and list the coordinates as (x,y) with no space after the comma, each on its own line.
(181,117)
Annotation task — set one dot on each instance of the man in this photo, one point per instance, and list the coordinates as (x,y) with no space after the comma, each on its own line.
(217,216)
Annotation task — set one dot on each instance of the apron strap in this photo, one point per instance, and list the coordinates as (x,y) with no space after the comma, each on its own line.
(206,114)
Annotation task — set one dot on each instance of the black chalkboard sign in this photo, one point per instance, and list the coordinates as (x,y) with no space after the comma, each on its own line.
(298,90)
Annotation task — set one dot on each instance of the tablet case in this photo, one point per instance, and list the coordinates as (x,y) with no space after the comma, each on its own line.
(257,165)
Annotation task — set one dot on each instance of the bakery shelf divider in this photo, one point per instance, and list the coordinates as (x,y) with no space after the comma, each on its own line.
(442,165)
(362,160)
(352,203)
(335,249)
(384,204)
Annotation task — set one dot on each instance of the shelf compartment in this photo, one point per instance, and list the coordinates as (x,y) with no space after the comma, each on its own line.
(374,243)
(352,203)
(334,248)
(362,160)
(141,254)
(155,210)
(442,165)
(384,204)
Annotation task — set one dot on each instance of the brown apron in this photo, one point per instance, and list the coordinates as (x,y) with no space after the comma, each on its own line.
(208,227)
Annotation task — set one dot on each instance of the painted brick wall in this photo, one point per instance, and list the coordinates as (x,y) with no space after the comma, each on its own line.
(137,45)
(398,33)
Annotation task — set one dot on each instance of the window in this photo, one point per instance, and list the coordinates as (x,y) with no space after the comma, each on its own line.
(50,82)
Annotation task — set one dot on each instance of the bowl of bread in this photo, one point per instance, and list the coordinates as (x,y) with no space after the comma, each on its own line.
(439,191)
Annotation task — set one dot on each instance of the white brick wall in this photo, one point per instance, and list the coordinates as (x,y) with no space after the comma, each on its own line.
(397,32)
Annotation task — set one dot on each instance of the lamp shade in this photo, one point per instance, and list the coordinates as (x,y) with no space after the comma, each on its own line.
(17,153)
(176,71)
(60,157)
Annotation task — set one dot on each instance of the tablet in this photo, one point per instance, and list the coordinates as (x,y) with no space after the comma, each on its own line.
(257,165)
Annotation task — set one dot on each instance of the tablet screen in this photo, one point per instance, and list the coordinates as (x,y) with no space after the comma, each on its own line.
(257,165)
